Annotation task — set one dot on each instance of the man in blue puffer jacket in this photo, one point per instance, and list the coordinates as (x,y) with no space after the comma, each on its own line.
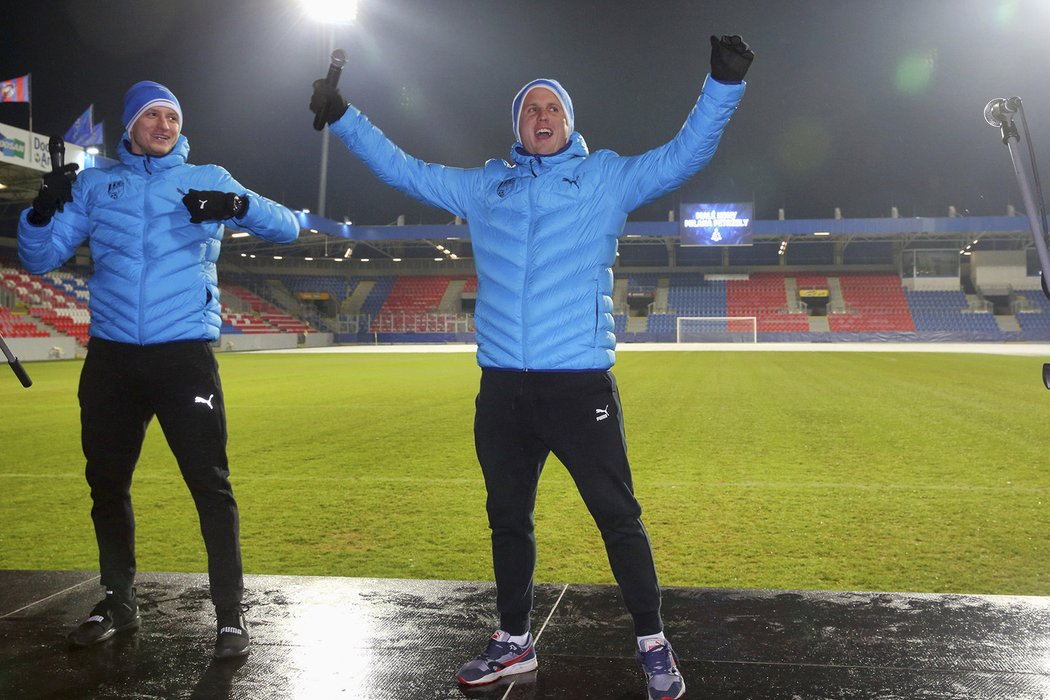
(544,230)
(154,224)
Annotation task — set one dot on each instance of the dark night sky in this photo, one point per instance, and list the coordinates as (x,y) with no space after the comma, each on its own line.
(860,104)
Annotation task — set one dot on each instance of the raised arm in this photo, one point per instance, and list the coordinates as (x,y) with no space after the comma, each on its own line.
(437,185)
(51,230)
(636,180)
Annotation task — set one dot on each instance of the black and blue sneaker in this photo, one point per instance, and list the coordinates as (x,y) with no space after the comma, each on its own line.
(232,639)
(660,664)
(117,612)
(501,657)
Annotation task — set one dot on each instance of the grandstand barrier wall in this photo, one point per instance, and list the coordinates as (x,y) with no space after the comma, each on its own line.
(51,348)
(60,347)
(317,340)
(860,337)
(376,338)
(236,342)
(771,337)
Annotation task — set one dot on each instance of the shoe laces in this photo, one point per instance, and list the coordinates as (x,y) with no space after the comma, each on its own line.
(111,603)
(231,616)
(658,660)
(497,650)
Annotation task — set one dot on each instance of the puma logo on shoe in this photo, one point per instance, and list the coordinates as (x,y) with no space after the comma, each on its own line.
(601,413)
(231,630)
(206,402)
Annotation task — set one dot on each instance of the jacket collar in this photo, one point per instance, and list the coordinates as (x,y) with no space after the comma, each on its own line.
(575,148)
(177,156)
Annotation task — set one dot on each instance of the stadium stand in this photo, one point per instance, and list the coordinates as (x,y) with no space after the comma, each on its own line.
(262,316)
(58,300)
(690,295)
(19,325)
(764,296)
(1033,314)
(436,308)
(871,303)
(948,311)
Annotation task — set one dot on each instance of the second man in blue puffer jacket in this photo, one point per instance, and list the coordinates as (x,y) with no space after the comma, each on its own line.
(154,224)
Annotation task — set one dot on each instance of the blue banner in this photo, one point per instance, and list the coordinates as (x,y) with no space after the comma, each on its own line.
(81,131)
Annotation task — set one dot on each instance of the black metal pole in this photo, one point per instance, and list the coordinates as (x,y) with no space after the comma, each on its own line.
(16,366)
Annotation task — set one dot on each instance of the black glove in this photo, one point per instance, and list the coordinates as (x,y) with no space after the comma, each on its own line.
(56,188)
(212,205)
(730,58)
(327,101)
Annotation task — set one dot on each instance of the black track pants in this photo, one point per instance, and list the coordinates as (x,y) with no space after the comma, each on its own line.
(121,388)
(522,417)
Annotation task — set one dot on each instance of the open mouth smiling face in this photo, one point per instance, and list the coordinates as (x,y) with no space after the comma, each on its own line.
(542,125)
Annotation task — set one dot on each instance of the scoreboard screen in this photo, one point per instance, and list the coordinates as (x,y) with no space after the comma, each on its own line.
(716,224)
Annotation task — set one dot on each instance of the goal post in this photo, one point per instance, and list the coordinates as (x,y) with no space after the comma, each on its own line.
(716,329)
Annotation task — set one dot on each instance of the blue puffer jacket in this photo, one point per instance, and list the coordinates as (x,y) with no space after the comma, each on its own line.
(154,275)
(544,229)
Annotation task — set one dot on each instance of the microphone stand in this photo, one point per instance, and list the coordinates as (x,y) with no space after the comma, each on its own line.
(16,366)
(1033,208)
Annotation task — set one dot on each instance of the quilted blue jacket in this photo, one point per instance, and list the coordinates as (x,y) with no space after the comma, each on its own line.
(154,277)
(544,229)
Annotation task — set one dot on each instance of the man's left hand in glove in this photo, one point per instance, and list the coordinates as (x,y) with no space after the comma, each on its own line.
(730,58)
(212,205)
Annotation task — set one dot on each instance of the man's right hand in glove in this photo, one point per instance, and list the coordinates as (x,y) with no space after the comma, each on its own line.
(213,205)
(56,188)
(327,101)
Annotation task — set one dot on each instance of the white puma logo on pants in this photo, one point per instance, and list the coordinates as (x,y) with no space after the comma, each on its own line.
(206,402)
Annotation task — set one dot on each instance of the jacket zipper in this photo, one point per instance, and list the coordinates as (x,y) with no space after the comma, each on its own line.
(528,264)
(145,225)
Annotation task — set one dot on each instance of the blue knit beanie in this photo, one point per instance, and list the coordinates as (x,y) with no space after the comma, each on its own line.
(552,85)
(144,95)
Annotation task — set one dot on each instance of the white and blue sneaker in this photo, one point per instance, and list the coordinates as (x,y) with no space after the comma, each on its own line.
(658,660)
(501,657)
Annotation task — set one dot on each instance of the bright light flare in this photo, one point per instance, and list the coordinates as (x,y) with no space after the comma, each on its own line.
(915,71)
(330,11)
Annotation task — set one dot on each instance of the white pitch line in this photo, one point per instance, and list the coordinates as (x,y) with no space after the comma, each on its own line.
(540,633)
(38,602)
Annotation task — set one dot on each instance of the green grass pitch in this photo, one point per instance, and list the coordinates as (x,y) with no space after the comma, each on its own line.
(789,470)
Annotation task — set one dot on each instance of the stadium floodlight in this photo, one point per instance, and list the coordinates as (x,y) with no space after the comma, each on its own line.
(716,329)
(330,11)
